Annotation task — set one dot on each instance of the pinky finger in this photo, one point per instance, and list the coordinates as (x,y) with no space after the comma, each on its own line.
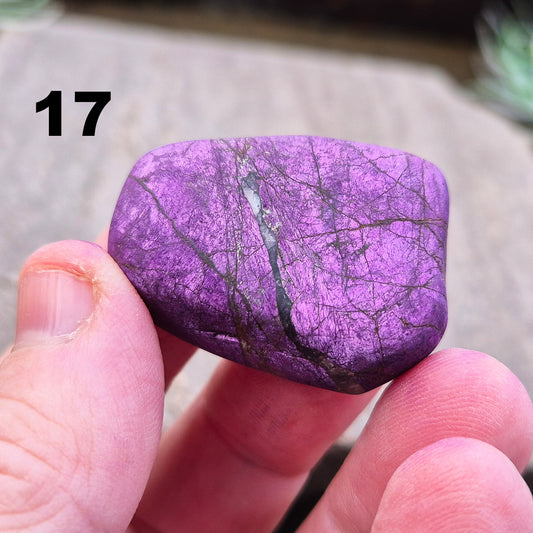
(456,484)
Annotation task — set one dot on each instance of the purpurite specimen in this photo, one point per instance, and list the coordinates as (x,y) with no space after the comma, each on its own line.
(319,260)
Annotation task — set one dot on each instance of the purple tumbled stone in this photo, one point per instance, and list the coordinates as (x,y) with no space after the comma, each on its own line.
(319,260)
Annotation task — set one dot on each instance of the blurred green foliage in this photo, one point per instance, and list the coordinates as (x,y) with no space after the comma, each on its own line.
(21,8)
(505,37)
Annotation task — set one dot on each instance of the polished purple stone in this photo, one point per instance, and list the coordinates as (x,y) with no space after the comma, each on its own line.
(319,260)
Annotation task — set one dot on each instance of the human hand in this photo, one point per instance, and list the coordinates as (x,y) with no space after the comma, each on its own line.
(81,402)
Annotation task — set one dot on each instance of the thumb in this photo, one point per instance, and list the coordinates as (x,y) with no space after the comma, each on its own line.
(81,396)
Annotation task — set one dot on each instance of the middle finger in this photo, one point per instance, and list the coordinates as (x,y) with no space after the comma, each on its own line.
(238,457)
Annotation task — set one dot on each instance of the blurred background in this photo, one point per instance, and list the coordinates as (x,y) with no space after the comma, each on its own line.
(449,80)
(424,30)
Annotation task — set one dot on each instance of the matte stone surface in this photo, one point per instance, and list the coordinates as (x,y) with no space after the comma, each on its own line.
(318,260)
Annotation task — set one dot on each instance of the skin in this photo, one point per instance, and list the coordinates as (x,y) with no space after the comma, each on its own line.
(81,401)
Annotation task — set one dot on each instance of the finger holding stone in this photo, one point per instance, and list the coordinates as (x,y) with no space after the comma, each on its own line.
(456,484)
(81,396)
(238,457)
(453,393)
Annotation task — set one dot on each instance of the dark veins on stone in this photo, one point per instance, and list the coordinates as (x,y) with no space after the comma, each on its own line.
(250,179)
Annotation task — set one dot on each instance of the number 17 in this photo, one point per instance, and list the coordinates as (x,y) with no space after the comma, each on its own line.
(52,102)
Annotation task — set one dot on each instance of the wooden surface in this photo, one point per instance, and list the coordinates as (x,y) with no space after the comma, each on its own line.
(170,86)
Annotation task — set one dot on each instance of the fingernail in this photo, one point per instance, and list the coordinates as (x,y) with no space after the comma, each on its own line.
(51,304)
